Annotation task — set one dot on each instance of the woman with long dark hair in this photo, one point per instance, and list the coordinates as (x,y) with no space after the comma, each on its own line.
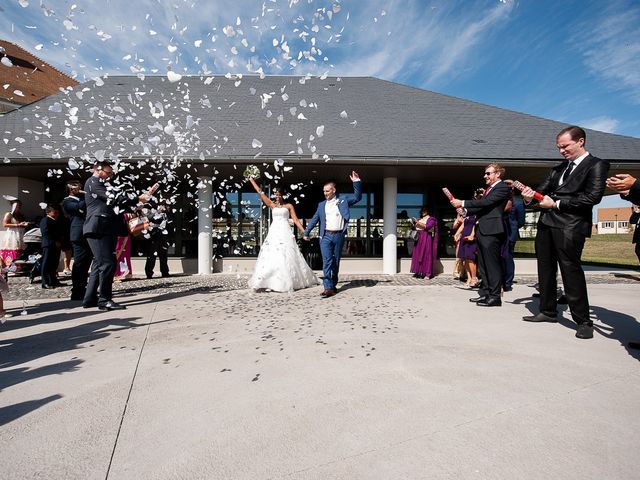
(280,266)
(425,251)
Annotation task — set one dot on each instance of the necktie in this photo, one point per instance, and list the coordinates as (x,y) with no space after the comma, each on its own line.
(567,172)
(486,192)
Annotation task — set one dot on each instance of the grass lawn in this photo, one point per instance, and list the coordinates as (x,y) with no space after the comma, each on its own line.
(610,249)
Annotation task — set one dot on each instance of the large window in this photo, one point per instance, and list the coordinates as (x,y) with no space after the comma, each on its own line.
(238,224)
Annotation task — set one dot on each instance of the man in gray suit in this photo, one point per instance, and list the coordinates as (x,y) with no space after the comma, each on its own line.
(102,227)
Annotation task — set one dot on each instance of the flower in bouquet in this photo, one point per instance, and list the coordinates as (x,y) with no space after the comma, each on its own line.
(252,171)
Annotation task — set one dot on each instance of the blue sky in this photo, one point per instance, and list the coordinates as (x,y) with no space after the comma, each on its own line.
(575,61)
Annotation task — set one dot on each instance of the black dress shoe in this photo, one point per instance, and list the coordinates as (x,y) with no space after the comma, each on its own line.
(110,305)
(540,317)
(490,302)
(507,289)
(90,305)
(634,345)
(48,287)
(562,300)
(584,331)
(477,299)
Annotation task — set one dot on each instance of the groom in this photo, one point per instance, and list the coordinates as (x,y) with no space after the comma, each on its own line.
(333,215)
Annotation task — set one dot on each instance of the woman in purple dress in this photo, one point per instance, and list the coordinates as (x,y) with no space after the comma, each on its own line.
(426,248)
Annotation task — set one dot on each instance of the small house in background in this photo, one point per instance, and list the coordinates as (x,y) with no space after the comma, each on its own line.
(613,220)
(24,78)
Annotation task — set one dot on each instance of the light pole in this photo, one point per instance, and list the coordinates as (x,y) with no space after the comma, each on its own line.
(616,226)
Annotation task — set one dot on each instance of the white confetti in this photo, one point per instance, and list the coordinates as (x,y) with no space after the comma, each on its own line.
(256,143)
(320,131)
(173,76)
(172,48)
(343,114)
(68,24)
(73,164)
(18,93)
(23,3)
(42,205)
(229,31)
(6,62)
(39,46)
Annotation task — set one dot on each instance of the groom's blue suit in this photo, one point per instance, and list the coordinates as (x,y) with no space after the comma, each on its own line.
(331,242)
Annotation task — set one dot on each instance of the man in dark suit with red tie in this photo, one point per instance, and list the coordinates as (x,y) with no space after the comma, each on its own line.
(491,232)
(570,191)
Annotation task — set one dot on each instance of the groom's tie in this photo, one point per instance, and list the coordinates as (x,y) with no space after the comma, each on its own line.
(568,171)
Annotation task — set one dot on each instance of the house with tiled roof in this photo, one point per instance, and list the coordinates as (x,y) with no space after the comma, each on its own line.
(25,78)
(613,220)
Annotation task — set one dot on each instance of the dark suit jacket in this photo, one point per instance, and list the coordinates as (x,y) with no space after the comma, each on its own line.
(516,219)
(75,208)
(101,219)
(634,193)
(582,190)
(51,234)
(489,210)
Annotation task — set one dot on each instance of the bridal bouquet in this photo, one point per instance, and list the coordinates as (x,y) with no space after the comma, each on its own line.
(251,171)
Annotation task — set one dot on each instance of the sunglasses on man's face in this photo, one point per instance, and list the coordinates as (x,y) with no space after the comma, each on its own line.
(488,173)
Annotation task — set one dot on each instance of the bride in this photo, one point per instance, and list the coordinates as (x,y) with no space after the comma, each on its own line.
(280,266)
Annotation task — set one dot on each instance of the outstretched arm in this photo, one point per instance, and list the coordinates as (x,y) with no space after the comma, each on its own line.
(267,201)
(294,217)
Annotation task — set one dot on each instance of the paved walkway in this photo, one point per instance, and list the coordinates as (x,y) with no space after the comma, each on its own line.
(393,378)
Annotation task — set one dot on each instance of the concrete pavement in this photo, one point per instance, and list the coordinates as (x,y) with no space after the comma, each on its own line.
(390,379)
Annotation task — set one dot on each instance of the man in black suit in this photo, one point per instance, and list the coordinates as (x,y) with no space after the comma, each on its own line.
(570,191)
(160,232)
(491,233)
(75,208)
(101,228)
(629,189)
(51,243)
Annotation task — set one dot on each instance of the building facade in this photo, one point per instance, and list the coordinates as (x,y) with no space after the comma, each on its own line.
(197,135)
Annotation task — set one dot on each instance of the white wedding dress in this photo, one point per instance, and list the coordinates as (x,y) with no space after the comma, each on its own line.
(280,266)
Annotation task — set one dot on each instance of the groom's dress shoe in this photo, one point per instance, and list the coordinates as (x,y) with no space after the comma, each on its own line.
(478,299)
(584,331)
(328,293)
(540,317)
(489,302)
(110,305)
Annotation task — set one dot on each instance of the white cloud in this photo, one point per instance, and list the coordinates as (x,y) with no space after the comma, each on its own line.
(611,47)
(392,40)
(602,124)
(430,44)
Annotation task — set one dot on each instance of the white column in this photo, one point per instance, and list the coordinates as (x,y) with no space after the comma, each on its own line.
(389,245)
(205,247)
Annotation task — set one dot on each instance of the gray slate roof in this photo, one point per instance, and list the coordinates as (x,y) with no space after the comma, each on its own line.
(218,118)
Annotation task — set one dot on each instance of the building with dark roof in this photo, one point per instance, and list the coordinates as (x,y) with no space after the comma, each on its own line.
(200,132)
(25,78)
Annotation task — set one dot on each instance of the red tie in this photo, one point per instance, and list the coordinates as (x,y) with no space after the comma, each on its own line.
(486,192)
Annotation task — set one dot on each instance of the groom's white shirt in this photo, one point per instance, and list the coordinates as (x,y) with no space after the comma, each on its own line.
(334,220)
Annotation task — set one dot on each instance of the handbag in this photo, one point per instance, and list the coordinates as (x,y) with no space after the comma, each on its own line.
(137,225)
